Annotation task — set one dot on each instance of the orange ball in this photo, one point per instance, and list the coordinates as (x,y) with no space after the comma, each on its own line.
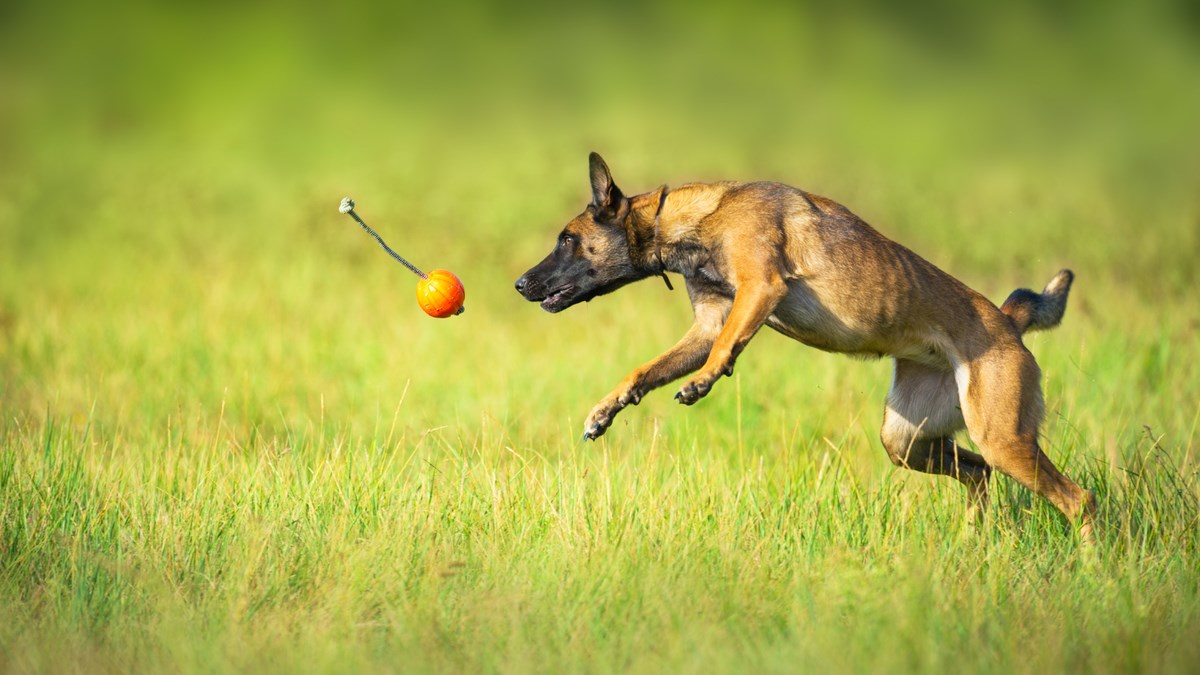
(441,294)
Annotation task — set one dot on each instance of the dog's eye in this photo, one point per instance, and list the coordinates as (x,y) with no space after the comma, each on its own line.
(565,242)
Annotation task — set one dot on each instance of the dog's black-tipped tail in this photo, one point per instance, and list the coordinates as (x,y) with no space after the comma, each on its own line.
(1040,311)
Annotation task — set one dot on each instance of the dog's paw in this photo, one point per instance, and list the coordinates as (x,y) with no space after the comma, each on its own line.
(693,391)
(600,419)
(602,415)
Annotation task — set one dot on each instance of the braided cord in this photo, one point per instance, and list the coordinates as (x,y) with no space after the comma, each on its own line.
(387,248)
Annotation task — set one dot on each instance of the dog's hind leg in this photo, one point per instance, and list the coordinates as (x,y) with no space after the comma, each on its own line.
(919,423)
(1002,404)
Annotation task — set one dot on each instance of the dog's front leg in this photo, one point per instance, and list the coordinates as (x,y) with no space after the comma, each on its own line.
(686,356)
(755,300)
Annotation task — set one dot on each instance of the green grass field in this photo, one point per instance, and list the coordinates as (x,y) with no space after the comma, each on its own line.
(232,442)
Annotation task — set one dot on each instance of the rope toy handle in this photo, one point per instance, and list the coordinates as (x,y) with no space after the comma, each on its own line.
(347,207)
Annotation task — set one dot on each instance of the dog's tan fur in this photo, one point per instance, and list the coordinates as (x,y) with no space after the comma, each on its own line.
(755,254)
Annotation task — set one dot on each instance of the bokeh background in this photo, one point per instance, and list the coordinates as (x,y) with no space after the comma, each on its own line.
(189,329)
(168,172)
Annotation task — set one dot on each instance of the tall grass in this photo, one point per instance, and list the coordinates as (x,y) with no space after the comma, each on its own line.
(450,550)
(230,441)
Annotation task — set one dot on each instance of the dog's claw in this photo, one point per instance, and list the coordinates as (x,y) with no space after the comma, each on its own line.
(601,417)
(596,429)
(692,392)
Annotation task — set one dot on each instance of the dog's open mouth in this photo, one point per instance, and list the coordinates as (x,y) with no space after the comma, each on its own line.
(556,301)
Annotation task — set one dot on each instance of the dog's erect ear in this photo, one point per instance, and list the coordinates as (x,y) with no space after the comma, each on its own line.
(606,196)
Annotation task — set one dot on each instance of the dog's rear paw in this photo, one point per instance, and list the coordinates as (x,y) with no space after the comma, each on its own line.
(1087,518)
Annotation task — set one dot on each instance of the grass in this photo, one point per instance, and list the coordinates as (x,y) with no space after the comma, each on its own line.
(230,441)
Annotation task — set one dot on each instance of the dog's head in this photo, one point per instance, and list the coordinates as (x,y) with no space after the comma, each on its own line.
(591,256)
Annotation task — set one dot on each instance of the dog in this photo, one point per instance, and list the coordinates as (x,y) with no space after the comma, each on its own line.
(755,254)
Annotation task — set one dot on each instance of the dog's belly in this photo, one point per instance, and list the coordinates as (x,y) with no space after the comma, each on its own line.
(804,318)
(815,332)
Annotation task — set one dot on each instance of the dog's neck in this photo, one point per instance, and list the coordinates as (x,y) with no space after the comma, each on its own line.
(656,218)
(643,227)
(656,244)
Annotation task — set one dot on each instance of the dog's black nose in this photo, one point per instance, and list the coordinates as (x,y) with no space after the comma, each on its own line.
(520,285)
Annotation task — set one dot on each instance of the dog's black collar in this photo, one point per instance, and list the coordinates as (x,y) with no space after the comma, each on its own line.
(662,268)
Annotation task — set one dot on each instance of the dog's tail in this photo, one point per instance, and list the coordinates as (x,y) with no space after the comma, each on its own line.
(1039,311)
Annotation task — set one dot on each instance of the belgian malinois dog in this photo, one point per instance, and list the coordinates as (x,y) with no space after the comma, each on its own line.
(754,254)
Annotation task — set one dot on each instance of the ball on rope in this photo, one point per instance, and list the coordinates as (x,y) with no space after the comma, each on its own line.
(441,294)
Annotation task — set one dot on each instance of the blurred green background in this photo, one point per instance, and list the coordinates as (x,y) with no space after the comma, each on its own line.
(169,172)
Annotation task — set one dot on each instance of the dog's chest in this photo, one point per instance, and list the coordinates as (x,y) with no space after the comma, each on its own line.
(701,271)
(708,275)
